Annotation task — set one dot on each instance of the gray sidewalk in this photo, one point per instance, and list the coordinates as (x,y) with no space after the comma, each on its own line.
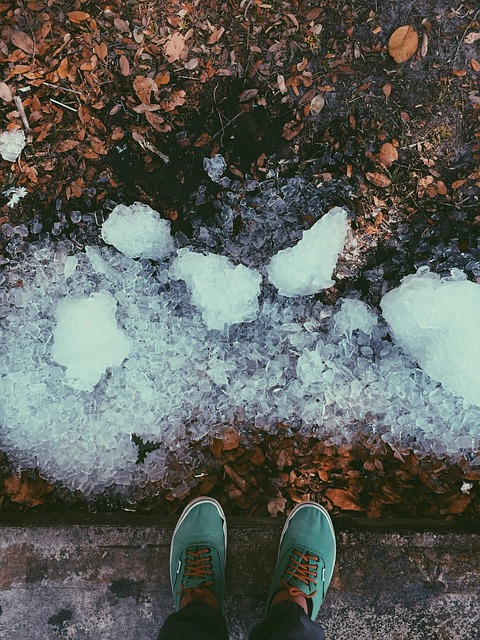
(109,582)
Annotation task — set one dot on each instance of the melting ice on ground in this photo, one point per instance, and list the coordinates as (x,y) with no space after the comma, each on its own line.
(327,371)
(225,294)
(436,321)
(87,340)
(12,143)
(138,231)
(307,267)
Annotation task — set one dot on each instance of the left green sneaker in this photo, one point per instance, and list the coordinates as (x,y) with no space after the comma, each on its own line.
(198,550)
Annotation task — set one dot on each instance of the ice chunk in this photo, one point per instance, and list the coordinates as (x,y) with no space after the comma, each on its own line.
(12,143)
(215,167)
(87,340)
(354,314)
(138,231)
(224,294)
(71,263)
(310,366)
(307,267)
(436,321)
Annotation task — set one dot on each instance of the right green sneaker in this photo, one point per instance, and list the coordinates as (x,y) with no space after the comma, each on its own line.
(306,556)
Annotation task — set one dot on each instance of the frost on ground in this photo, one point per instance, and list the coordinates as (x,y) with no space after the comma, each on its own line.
(329,371)
(437,322)
(224,293)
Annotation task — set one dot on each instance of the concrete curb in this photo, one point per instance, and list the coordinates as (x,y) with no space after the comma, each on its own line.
(104,582)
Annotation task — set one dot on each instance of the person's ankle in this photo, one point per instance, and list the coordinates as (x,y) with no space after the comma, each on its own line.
(202,594)
(285,596)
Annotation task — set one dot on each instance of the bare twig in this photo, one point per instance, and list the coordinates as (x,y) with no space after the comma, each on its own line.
(21,111)
(227,125)
(56,86)
(65,106)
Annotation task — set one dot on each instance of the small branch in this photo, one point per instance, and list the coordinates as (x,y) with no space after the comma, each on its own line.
(65,106)
(227,125)
(21,111)
(56,86)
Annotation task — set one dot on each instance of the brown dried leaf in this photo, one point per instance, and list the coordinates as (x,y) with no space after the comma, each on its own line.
(66,145)
(317,104)
(248,94)
(157,122)
(424,48)
(387,89)
(344,499)
(378,179)
(143,88)
(216,35)
(231,439)
(29,492)
(174,47)
(277,505)
(475,64)
(78,16)
(403,43)
(23,41)
(124,66)
(472,37)
(5,93)
(388,154)
(281,84)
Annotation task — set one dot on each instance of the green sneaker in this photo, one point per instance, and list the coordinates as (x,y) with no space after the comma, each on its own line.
(306,556)
(198,550)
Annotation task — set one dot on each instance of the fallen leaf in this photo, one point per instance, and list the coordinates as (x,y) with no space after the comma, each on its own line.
(424,47)
(387,89)
(192,64)
(231,439)
(403,43)
(277,505)
(124,66)
(5,93)
(121,25)
(344,499)
(248,94)
(216,35)
(281,84)
(174,47)
(472,37)
(388,154)
(157,122)
(66,145)
(458,183)
(29,492)
(459,72)
(378,179)
(78,16)
(23,41)
(317,104)
(475,64)
(143,87)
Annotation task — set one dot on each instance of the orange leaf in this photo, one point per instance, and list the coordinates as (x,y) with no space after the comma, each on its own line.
(403,43)
(78,16)
(5,93)
(23,41)
(388,154)
(124,66)
(475,64)
(379,179)
(216,35)
(387,89)
(343,499)
(143,88)
(174,47)
(66,145)
(248,94)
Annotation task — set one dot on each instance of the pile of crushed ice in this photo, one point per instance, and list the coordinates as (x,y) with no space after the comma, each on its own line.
(98,345)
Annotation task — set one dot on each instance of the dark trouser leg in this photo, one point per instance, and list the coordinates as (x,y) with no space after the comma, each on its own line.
(196,621)
(287,621)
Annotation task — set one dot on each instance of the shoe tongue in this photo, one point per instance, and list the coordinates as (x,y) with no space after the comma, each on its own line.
(311,587)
